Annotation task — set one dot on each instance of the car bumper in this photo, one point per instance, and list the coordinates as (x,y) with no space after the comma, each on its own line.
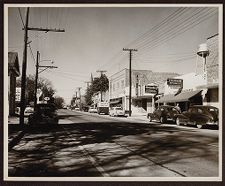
(212,123)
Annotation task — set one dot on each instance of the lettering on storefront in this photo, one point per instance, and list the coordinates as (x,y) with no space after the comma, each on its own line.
(18,93)
(175,82)
(149,89)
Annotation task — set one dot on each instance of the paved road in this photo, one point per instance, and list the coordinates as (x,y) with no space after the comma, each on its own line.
(87,144)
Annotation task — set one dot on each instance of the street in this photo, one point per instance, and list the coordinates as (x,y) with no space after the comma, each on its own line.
(92,145)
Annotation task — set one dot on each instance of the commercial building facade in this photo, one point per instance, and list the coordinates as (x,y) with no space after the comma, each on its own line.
(197,88)
(143,89)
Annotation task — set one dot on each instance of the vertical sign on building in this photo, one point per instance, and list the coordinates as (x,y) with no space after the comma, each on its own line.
(137,85)
(18,94)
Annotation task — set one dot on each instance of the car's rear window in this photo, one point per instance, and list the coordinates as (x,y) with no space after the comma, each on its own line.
(213,110)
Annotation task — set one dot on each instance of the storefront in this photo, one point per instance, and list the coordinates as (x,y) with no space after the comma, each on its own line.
(184,99)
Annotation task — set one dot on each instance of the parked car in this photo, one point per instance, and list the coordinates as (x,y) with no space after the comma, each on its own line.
(28,110)
(85,108)
(92,110)
(163,114)
(199,116)
(77,109)
(116,111)
(44,114)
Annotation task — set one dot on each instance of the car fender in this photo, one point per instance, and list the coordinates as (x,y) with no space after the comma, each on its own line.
(182,116)
(201,119)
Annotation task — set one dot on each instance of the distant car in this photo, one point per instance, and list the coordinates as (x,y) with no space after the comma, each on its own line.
(163,114)
(44,114)
(92,110)
(199,116)
(28,110)
(77,109)
(85,108)
(116,111)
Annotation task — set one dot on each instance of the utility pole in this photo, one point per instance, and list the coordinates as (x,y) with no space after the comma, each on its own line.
(130,80)
(79,96)
(36,76)
(101,72)
(24,65)
(24,68)
(36,81)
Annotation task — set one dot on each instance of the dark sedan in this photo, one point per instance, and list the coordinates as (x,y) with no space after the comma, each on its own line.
(199,116)
(163,114)
(44,114)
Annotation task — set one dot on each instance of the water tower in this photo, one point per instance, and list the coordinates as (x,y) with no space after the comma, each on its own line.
(203,52)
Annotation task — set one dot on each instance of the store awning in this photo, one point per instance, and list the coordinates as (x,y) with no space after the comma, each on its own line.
(115,101)
(183,96)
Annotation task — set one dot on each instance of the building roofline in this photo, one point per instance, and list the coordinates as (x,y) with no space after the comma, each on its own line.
(212,36)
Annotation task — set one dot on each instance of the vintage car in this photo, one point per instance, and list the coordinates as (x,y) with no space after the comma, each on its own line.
(199,116)
(92,110)
(116,111)
(44,114)
(28,111)
(163,114)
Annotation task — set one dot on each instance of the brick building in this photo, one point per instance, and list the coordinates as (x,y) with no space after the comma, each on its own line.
(141,98)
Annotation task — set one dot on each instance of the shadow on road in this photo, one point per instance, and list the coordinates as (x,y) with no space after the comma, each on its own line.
(55,151)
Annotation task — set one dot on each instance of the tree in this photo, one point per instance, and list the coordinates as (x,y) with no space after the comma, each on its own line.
(59,102)
(44,84)
(99,84)
(88,95)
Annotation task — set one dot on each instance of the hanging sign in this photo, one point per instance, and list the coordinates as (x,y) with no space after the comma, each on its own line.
(177,82)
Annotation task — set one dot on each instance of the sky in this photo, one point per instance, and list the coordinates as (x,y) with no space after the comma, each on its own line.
(167,40)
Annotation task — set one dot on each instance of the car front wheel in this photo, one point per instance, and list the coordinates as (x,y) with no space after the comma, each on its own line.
(162,120)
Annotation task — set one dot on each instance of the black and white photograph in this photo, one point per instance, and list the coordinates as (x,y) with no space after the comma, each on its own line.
(113,92)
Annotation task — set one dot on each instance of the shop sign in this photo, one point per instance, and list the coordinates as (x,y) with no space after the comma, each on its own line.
(176,82)
(18,93)
(149,89)
(47,98)
(103,104)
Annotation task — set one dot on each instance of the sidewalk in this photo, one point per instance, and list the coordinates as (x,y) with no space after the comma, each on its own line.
(15,131)
(139,117)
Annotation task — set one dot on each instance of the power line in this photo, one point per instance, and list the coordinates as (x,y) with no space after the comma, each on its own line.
(171,28)
(173,17)
(174,30)
(169,60)
(146,34)
(32,54)
(21,17)
(180,31)
(157,27)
